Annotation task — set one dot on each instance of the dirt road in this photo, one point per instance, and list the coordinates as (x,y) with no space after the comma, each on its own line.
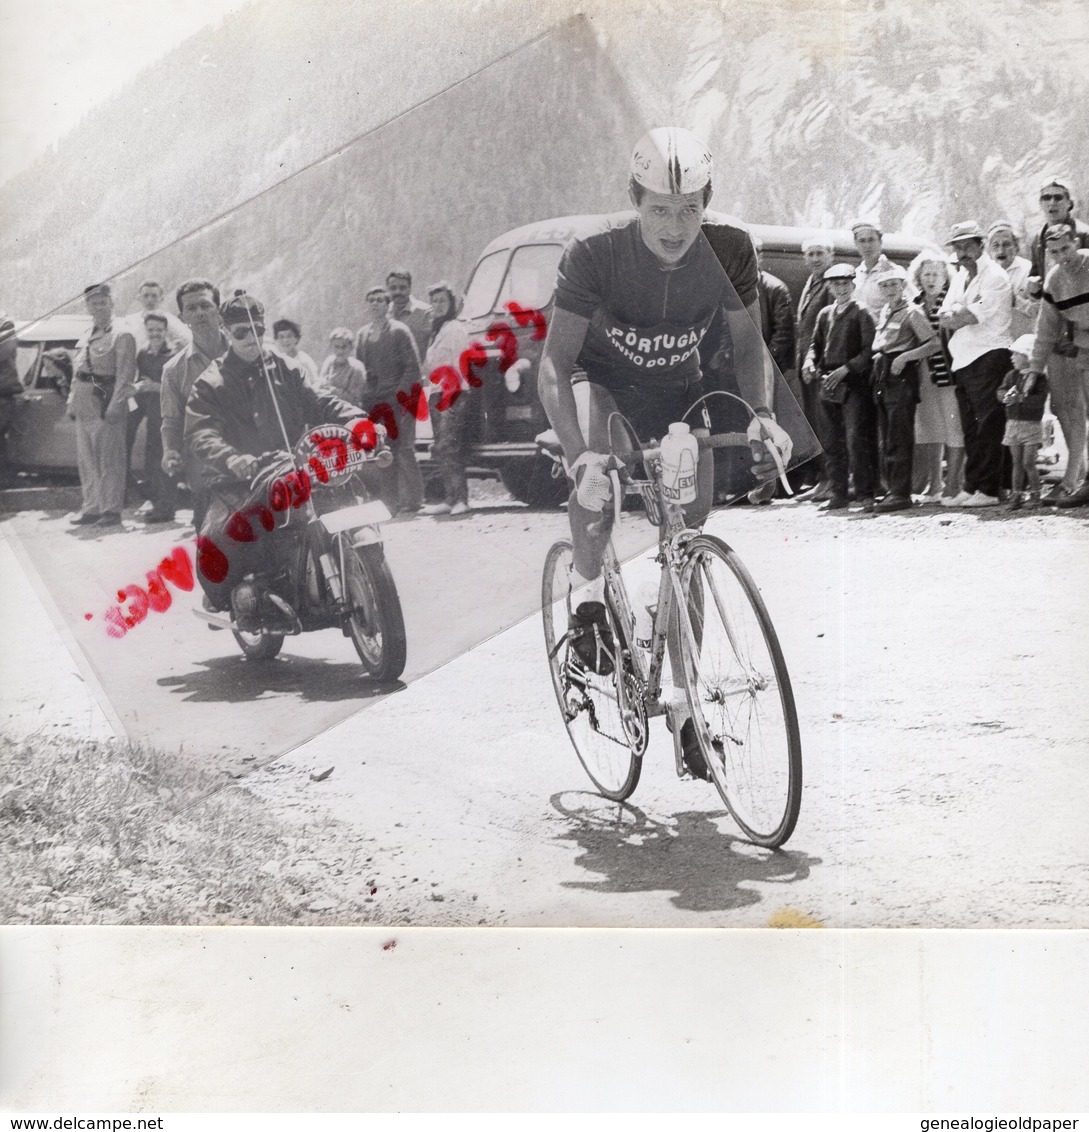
(938,660)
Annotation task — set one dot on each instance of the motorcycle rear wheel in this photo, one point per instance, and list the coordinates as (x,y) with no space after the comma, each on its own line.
(258,646)
(375,621)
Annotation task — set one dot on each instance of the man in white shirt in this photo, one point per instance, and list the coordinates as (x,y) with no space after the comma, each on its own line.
(151,302)
(868,238)
(977,314)
(1004,247)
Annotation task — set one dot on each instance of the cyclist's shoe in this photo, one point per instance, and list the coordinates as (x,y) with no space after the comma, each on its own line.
(692,756)
(591,637)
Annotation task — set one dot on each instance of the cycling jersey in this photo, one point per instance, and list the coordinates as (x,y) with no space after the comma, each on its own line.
(647,320)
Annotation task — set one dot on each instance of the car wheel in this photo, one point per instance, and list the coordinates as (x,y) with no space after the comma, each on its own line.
(531,481)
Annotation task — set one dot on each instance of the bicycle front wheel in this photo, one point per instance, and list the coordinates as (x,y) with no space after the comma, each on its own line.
(739,692)
(602,715)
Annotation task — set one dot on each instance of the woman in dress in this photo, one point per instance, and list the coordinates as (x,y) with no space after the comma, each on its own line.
(937,419)
(450,418)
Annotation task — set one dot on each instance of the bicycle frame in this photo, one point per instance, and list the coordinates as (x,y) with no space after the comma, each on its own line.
(673,537)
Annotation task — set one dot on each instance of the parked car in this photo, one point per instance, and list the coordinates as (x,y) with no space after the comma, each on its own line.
(520,266)
(41,438)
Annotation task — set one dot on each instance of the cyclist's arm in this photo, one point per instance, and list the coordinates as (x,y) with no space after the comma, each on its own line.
(566,334)
(753,366)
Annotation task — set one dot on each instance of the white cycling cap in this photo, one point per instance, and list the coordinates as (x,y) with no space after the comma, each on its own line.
(671,160)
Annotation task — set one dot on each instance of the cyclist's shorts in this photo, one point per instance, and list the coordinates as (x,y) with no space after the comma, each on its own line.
(651,408)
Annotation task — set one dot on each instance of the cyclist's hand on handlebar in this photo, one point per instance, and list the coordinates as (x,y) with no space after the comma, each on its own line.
(590,471)
(765,430)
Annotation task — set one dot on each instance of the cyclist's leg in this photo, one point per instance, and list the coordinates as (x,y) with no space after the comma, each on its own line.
(590,530)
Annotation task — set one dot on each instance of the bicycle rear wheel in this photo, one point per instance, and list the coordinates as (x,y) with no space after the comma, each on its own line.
(604,715)
(739,693)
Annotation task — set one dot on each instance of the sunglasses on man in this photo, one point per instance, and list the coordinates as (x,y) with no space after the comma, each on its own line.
(243,331)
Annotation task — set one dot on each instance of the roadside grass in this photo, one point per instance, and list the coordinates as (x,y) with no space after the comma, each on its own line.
(88,835)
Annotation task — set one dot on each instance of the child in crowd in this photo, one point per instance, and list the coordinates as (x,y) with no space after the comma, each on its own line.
(1023,393)
(340,372)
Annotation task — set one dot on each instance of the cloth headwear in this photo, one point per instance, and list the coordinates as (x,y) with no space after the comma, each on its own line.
(864,223)
(1057,231)
(1001,226)
(1057,183)
(840,271)
(893,272)
(242,308)
(671,161)
(966,230)
(817,242)
(1024,345)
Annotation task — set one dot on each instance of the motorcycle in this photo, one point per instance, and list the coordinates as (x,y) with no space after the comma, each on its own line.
(333,571)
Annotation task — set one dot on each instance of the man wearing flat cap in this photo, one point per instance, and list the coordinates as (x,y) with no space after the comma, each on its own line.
(99,404)
(1004,247)
(868,238)
(977,313)
(904,337)
(838,363)
(1068,401)
(237,412)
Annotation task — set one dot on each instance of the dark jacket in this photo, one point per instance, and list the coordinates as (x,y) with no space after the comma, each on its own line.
(230,412)
(815,297)
(776,320)
(843,339)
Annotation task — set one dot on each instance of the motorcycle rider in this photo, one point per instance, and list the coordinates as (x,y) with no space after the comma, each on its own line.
(242,415)
(634,300)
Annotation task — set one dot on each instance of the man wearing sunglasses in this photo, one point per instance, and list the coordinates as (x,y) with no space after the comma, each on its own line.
(235,420)
(1067,395)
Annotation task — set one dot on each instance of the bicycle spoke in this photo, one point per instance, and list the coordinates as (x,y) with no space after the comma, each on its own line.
(739,693)
(603,728)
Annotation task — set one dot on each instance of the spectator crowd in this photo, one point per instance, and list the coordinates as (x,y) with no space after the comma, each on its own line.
(924,386)
(142,368)
(929,385)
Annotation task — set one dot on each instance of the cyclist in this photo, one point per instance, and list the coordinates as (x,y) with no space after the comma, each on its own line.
(634,301)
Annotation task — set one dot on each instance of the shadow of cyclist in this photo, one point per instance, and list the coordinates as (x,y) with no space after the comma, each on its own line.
(706,868)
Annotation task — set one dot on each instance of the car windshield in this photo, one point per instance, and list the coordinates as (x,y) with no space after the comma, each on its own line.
(529,281)
(484,286)
(26,354)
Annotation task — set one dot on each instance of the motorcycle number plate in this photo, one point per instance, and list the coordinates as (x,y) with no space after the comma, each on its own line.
(358,515)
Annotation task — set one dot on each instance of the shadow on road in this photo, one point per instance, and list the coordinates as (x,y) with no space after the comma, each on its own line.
(706,868)
(233,679)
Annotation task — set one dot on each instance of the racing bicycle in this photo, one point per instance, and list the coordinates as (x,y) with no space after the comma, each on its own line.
(719,633)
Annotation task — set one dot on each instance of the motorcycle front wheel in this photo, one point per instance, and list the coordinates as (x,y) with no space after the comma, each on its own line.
(374,620)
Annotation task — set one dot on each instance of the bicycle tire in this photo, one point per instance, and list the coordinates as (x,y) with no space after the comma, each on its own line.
(375,621)
(611,752)
(739,693)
